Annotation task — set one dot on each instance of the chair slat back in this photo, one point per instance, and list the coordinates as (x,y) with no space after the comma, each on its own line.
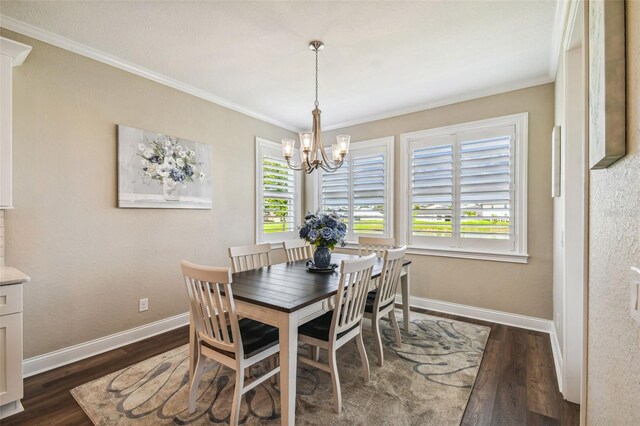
(355,276)
(298,250)
(368,245)
(245,258)
(390,276)
(212,307)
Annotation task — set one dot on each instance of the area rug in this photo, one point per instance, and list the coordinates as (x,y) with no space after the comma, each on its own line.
(426,381)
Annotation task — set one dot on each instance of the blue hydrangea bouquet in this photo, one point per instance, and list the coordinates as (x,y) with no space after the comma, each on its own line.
(325,231)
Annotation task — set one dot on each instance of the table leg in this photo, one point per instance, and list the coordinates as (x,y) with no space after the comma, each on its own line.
(288,326)
(405,283)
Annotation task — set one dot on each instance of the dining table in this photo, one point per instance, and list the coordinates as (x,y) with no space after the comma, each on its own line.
(287,295)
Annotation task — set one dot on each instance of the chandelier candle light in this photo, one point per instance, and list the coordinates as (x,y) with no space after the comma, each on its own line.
(312,152)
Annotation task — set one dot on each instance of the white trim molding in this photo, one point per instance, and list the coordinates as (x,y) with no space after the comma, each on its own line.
(504,88)
(49,361)
(37,33)
(517,251)
(264,148)
(106,58)
(498,317)
(557,36)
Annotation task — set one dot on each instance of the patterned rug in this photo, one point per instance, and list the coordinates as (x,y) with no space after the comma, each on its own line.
(427,381)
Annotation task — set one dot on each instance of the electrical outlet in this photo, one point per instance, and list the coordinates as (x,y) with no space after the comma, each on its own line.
(635,293)
(143,305)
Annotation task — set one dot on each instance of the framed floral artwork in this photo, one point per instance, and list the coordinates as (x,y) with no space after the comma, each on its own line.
(161,171)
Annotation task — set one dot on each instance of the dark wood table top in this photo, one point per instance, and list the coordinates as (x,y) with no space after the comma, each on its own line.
(288,287)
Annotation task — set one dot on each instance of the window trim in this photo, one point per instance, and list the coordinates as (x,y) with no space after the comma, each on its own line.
(261,144)
(387,142)
(521,143)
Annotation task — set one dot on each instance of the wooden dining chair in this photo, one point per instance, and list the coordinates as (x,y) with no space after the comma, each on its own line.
(238,344)
(333,329)
(244,258)
(367,245)
(381,301)
(298,250)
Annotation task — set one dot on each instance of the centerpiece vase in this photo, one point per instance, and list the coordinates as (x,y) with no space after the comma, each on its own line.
(322,257)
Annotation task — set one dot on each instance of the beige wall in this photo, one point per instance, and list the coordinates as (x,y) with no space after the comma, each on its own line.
(521,289)
(614,240)
(89,261)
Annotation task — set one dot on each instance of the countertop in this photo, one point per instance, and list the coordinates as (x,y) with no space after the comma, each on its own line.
(9,275)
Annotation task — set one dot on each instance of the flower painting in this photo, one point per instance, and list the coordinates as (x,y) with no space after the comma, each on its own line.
(161,171)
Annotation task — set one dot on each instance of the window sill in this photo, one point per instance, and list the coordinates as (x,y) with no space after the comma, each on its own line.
(464,254)
(459,254)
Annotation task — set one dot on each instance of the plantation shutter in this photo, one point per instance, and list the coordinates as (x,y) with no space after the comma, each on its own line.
(462,190)
(335,191)
(369,194)
(278,195)
(360,190)
(485,188)
(432,189)
(278,192)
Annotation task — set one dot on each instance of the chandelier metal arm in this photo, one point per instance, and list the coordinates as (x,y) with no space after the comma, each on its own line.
(311,143)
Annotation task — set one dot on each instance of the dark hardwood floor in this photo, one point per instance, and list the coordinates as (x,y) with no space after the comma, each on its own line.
(516,384)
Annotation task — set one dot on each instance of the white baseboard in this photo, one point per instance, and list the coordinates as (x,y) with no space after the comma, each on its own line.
(51,360)
(557,355)
(10,409)
(499,317)
(55,359)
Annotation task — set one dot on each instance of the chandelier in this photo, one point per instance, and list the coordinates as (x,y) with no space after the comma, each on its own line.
(312,152)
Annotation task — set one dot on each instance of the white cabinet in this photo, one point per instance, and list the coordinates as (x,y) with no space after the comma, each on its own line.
(11,389)
(12,54)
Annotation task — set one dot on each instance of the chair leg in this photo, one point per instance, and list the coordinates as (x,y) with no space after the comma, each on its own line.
(248,372)
(195,381)
(335,379)
(273,363)
(396,328)
(378,340)
(315,353)
(237,398)
(363,357)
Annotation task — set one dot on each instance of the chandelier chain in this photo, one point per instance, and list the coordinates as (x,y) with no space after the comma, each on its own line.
(316,103)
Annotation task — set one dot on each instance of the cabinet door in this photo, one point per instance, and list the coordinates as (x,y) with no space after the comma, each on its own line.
(10,358)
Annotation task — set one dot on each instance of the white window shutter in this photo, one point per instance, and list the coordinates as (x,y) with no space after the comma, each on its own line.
(485,188)
(369,194)
(361,191)
(278,193)
(432,190)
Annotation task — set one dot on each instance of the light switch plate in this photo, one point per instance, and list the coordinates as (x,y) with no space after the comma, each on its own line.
(635,293)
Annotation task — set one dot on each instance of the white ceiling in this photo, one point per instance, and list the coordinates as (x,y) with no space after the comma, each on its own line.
(381,58)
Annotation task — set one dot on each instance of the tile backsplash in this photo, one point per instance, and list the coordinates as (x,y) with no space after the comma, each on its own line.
(1,237)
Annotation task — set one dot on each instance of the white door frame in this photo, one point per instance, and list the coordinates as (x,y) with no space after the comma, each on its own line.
(575,196)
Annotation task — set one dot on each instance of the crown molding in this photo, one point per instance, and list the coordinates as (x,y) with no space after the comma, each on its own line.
(106,58)
(17,51)
(446,101)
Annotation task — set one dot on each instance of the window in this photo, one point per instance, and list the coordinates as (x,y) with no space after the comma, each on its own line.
(361,191)
(278,209)
(466,189)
